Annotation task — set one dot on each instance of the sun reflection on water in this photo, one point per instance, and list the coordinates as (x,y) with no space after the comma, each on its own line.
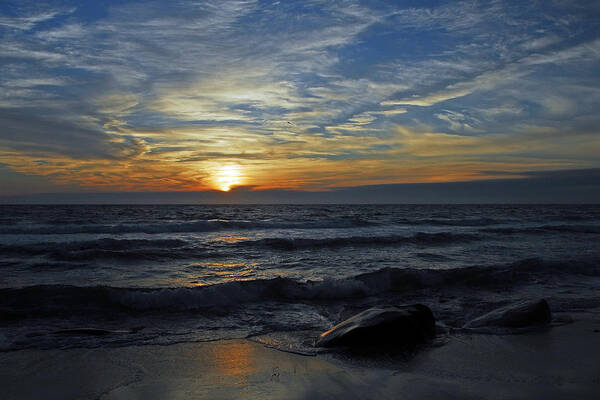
(230,239)
(208,273)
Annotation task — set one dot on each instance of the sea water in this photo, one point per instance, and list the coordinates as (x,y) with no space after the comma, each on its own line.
(278,273)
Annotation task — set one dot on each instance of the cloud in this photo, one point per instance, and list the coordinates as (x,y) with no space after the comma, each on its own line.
(541,42)
(116,104)
(14,50)
(291,92)
(492,79)
(431,99)
(28,22)
(541,146)
(458,121)
(394,111)
(62,136)
(32,82)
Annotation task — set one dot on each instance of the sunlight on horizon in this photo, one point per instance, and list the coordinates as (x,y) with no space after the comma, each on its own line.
(227,176)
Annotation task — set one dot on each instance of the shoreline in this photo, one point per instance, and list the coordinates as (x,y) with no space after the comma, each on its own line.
(557,363)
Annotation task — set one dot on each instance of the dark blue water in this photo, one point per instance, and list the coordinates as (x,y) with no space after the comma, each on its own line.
(187,273)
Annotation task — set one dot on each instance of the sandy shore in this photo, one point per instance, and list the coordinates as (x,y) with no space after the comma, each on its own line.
(560,363)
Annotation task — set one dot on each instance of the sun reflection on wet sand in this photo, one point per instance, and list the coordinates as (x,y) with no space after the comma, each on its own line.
(235,362)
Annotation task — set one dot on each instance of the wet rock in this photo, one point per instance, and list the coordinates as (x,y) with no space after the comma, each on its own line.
(382,326)
(521,315)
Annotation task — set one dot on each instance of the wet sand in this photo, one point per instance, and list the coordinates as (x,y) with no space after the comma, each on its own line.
(558,363)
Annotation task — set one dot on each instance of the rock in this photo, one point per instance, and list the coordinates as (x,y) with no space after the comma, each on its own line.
(521,315)
(395,325)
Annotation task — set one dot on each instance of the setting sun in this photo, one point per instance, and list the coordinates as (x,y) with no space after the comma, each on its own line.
(226,177)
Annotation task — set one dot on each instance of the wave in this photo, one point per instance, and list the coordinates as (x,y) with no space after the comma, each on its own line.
(106,248)
(545,229)
(181,227)
(61,300)
(456,222)
(159,249)
(420,238)
(102,243)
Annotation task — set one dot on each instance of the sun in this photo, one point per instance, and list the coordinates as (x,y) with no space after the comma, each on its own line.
(227,176)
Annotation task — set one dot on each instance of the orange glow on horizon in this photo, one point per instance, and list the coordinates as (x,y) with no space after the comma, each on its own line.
(231,159)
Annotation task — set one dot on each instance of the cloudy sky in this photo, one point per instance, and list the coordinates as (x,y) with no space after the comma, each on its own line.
(307,95)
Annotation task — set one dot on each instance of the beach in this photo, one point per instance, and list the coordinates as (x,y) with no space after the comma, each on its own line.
(188,302)
(554,363)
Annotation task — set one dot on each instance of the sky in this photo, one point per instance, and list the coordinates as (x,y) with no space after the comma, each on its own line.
(260,99)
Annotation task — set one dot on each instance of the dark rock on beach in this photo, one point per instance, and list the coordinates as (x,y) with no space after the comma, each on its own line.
(521,315)
(394,325)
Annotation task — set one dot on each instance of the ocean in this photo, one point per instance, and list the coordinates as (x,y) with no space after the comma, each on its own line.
(118,275)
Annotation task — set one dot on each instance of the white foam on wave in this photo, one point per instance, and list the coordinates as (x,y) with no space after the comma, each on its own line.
(419,238)
(181,227)
(60,300)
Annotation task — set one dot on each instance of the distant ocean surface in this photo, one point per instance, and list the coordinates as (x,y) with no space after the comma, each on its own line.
(277,273)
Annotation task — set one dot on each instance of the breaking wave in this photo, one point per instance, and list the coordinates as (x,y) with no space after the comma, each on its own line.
(456,222)
(106,248)
(61,300)
(420,238)
(545,229)
(181,227)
